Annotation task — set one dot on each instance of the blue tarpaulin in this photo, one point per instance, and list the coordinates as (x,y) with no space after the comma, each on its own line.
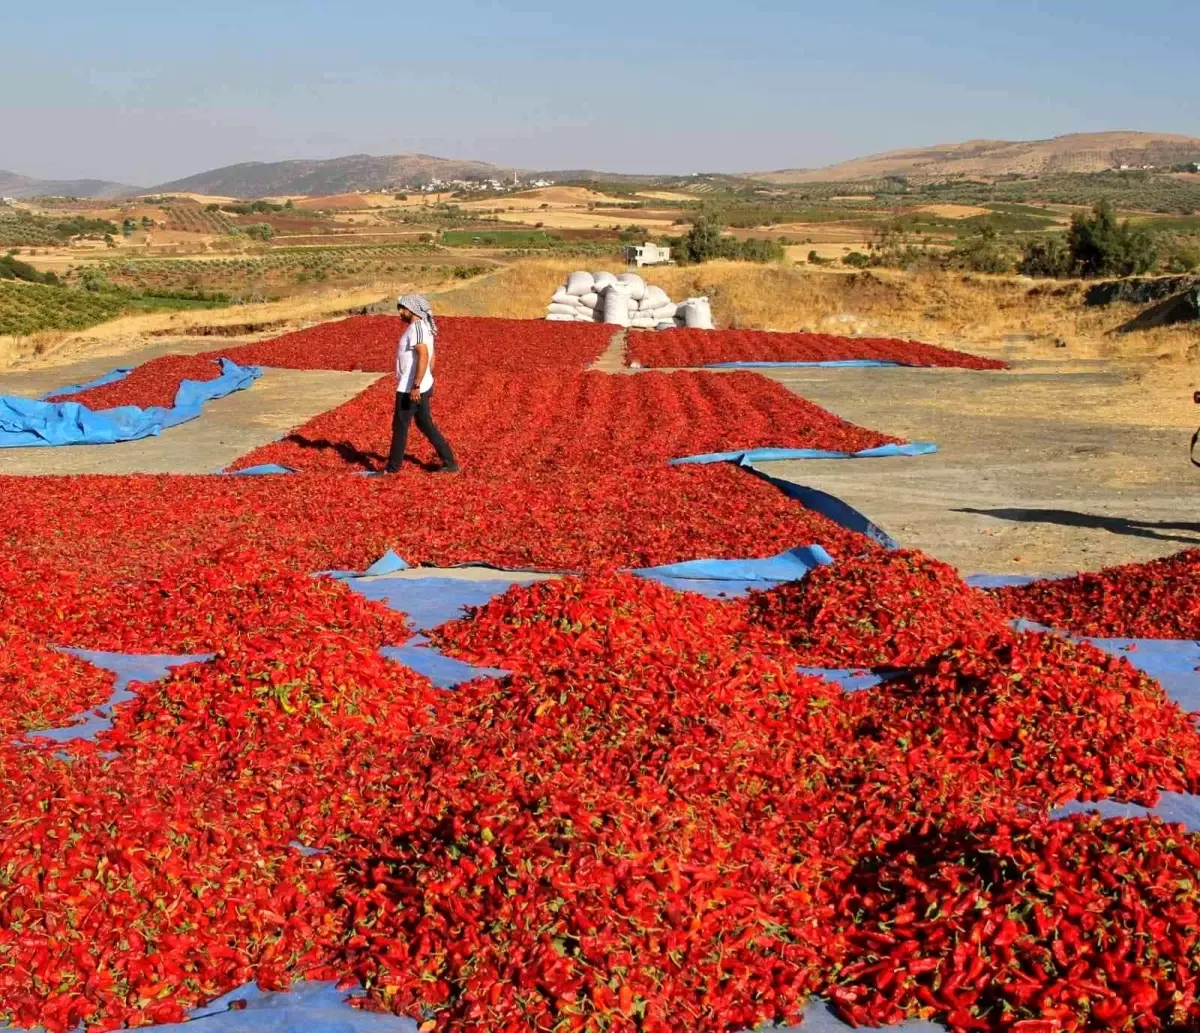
(787,566)
(430,601)
(444,671)
(1171,807)
(128,667)
(829,506)
(747,457)
(310,1007)
(27,422)
(111,377)
(262,470)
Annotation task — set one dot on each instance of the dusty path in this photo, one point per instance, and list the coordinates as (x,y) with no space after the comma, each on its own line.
(1048,468)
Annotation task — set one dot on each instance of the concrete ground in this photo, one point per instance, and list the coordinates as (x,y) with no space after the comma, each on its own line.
(1049,467)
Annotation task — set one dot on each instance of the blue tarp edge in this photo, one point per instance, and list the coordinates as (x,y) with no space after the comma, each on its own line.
(111,377)
(749,456)
(26,422)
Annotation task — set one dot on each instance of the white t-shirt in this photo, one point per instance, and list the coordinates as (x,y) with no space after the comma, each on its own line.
(418,332)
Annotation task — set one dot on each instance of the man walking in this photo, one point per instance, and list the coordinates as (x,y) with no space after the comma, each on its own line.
(414,383)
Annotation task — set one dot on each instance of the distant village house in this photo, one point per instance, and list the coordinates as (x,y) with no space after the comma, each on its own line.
(647,254)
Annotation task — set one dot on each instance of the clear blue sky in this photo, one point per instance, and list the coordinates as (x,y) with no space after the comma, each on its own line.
(145,92)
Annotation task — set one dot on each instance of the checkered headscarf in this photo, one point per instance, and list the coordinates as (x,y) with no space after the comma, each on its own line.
(418,305)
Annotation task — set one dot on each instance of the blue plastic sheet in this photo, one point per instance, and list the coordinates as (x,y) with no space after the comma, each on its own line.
(747,457)
(444,671)
(1172,663)
(829,506)
(827,364)
(850,679)
(787,566)
(1001,580)
(819,1018)
(430,601)
(111,377)
(388,563)
(310,1007)
(262,470)
(26,422)
(128,668)
(1171,807)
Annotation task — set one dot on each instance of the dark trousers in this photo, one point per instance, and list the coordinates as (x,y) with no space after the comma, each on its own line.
(402,417)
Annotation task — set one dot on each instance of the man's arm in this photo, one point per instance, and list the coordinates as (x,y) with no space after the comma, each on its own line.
(422,365)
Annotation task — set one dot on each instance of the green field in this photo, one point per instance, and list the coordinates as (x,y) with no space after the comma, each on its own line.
(496,238)
(27,308)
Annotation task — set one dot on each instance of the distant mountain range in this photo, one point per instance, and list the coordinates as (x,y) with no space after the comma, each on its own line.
(1082,152)
(12,185)
(1079,152)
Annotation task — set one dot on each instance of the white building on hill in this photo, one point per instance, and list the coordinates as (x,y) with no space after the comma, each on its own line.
(647,254)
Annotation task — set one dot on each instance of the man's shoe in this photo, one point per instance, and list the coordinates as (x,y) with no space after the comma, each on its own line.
(449,469)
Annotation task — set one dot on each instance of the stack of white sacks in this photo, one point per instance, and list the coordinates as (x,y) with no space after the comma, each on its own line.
(624,300)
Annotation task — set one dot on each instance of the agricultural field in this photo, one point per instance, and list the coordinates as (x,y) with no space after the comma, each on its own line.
(29,308)
(279,271)
(196,219)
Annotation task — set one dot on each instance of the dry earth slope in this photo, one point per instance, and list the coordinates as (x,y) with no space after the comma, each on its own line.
(1079,152)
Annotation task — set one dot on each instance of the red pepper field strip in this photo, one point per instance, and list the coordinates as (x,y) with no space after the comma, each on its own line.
(653,823)
(154,383)
(680,348)
(368,343)
(1159,599)
(509,424)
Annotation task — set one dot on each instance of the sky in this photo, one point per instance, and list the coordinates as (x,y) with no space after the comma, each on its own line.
(144,93)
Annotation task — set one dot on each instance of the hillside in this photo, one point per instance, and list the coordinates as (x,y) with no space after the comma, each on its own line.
(331,176)
(13,185)
(1079,152)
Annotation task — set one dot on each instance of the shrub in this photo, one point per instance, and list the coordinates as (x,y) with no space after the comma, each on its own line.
(856,259)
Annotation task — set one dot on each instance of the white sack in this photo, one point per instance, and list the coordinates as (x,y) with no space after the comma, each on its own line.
(590,300)
(603,281)
(563,310)
(617,304)
(655,298)
(636,283)
(555,317)
(668,325)
(580,283)
(561,297)
(665,312)
(697,314)
(641,323)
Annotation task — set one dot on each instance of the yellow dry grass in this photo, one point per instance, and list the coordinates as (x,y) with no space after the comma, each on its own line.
(119,335)
(983,313)
(954,211)
(564,219)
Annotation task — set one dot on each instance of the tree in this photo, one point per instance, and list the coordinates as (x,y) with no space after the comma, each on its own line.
(1100,246)
(703,241)
(1049,258)
(1096,245)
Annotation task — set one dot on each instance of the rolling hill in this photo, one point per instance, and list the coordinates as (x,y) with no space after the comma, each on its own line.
(331,175)
(13,185)
(1079,152)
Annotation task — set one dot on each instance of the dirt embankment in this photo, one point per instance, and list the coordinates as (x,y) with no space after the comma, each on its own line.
(984,313)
